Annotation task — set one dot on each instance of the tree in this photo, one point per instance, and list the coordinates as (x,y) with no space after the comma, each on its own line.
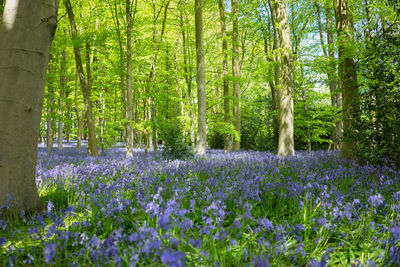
(235,71)
(129,23)
(348,77)
(26,34)
(286,119)
(201,80)
(50,103)
(85,87)
(225,72)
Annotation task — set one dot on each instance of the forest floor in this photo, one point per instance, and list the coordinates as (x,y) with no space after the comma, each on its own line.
(236,209)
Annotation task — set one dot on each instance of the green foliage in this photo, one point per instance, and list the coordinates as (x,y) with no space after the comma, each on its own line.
(318,119)
(257,125)
(379,135)
(174,143)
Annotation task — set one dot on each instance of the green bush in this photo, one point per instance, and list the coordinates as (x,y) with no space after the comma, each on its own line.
(174,143)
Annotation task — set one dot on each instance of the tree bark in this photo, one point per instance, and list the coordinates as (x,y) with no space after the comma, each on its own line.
(78,117)
(286,118)
(26,34)
(129,129)
(85,87)
(188,79)
(50,104)
(235,70)
(348,76)
(121,71)
(336,98)
(201,80)
(61,99)
(227,147)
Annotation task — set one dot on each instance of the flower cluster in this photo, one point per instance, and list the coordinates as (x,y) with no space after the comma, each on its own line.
(220,209)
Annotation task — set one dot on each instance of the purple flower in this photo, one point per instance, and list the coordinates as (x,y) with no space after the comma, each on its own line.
(321,221)
(49,252)
(50,207)
(376,200)
(267,224)
(94,242)
(260,262)
(173,258)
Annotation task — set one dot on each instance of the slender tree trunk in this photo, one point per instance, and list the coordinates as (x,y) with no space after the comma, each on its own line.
(61,99)
(336,97)
(235,71)
(26,34)
(201,80)
(177,89)
(50,104)
(225,73)
(277,73)
(85,87)
(188,79)
(286,118)
(129,132)
(78,117)
(121,71)
(348,76)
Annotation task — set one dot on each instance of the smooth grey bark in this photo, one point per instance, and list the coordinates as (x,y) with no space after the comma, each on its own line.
(26,33)
(348,77)
(286,116)
(85,86)
(201,80)
(227,147)
(50,104)
(235,71)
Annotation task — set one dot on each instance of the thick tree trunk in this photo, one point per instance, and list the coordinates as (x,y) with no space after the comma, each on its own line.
(201,80)
(129,130)
(227,146)
(348,76)
(85,87)
(286,118)
(235,71)
(50,104)
(26,34)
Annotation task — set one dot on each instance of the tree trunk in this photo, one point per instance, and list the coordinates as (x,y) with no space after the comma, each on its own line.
(277,70)
(129,130)
(286,118)
(336,98)
(50,104)
(235,70)
(201,80)
(121,72)
(85,86)
(227,147)
(348,76)
(78,117)
(26,34)
(61,99)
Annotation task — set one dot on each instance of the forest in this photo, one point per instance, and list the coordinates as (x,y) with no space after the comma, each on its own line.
(200,133)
